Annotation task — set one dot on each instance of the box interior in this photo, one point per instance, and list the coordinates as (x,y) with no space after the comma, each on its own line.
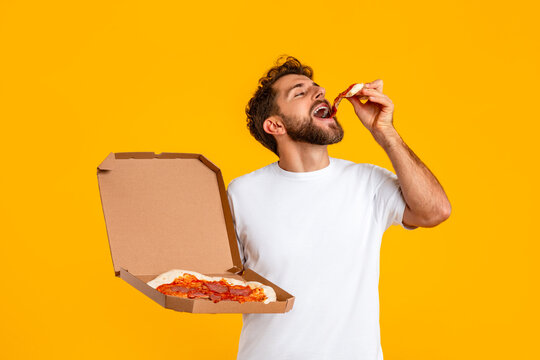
(166,212)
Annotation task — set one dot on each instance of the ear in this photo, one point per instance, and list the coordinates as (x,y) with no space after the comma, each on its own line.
(273,125)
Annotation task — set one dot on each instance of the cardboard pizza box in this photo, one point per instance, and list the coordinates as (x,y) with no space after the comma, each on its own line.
(170,211)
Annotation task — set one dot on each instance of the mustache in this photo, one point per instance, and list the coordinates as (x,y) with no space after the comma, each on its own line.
(317,103)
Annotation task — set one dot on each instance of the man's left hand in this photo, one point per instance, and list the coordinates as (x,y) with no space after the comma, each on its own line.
(377,113)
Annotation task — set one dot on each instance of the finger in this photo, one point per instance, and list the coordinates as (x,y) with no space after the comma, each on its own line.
(383,100)
(375,84)
(369,92)
(355,101)
(359,108)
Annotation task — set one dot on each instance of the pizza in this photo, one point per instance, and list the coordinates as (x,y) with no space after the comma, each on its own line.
(193,285)
(350,92)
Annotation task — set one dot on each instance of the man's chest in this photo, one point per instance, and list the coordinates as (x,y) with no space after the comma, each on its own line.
(304,228)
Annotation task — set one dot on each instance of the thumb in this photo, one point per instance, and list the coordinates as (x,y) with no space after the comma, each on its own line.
(360,109)
(355,101)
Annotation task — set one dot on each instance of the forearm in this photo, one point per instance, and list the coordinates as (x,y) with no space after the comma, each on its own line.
(421,190)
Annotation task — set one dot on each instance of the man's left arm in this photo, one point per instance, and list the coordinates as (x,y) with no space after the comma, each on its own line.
(426,202)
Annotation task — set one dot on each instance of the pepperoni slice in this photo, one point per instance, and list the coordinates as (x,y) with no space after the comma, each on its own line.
(179,288)
(350,92)
(241,292)
(217,287)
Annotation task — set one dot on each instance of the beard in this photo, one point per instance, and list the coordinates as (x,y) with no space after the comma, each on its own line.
(305,130)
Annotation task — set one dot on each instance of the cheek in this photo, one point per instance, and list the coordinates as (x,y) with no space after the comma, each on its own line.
(299,111)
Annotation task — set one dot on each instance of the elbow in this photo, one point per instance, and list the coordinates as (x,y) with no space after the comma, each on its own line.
(436,217)
(447,211)
(441,215)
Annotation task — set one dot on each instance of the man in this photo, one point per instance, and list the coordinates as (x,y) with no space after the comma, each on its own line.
(313,224)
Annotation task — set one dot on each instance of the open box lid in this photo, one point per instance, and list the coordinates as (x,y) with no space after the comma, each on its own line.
(167,211)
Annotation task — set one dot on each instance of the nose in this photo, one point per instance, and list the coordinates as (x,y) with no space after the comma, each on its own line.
(319,93)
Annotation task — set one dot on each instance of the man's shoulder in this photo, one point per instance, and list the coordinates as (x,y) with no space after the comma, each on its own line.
(250,179)
(351,166)
(370,175)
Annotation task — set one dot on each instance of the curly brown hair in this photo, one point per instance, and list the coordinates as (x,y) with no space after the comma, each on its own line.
(262,105)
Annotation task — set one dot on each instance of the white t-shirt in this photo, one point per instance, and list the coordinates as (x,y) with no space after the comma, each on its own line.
(294,227)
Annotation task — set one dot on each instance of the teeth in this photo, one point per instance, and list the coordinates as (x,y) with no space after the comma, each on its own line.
(325,110)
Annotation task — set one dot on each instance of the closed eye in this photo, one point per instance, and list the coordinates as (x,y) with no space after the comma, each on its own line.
(299,94)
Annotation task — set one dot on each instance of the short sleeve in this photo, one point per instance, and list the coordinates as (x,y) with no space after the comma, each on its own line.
(388,199)
(231,205)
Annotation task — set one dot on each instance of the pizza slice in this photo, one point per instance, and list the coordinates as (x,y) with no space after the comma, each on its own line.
(350,92)
(193,285)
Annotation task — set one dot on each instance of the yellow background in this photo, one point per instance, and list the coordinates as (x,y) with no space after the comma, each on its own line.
(81,79)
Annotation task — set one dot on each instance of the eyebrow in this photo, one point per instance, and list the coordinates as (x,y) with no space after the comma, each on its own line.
(299,85)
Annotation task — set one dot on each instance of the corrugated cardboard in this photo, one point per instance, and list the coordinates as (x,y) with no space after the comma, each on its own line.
(170,211)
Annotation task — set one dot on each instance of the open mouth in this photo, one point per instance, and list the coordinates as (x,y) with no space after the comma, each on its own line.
(321,111)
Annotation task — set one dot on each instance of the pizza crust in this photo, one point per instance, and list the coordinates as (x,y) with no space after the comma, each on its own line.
(354,90)
(169,276)
(351,91)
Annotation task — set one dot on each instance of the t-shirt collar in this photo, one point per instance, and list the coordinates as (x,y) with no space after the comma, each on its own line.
(305,175)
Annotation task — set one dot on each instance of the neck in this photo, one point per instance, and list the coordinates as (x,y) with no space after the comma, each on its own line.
(303,157)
